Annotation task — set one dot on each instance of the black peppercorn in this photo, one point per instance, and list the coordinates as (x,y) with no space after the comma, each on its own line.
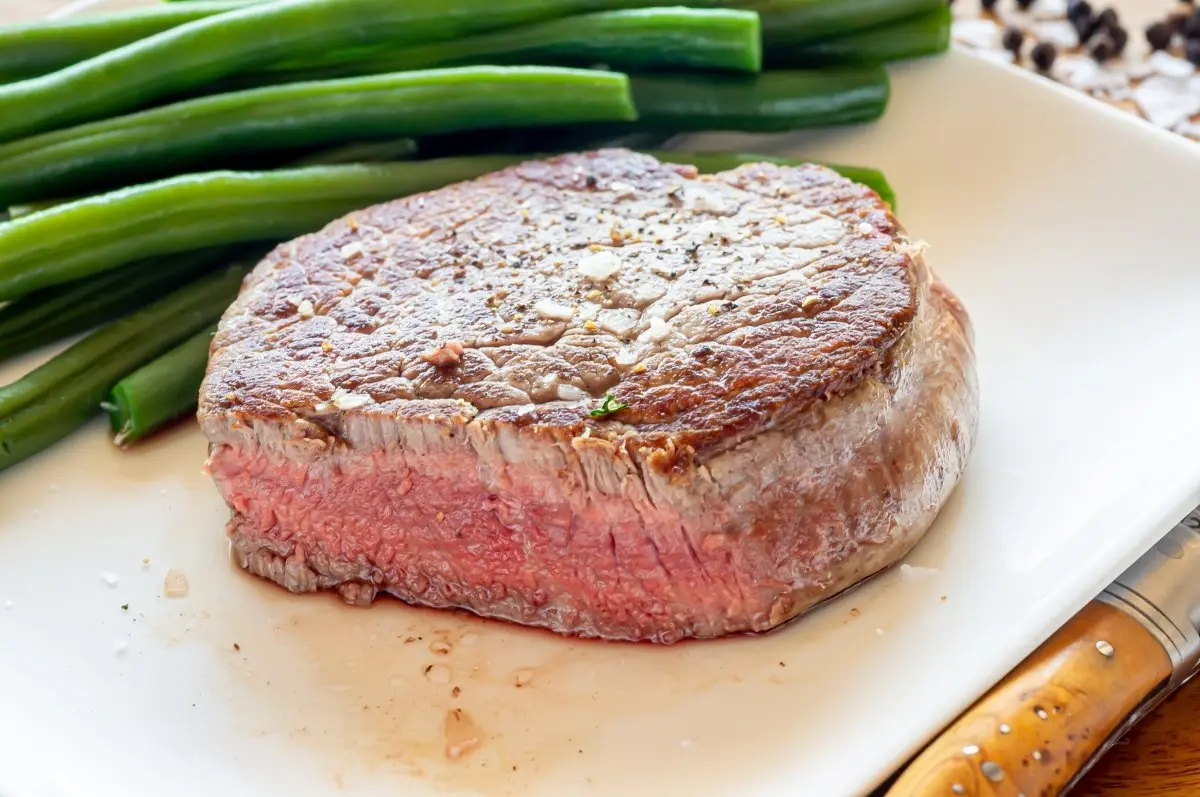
(1176,20)
(1086,28)
(1043,55)
(1159,36)
(987,5)
(1024,4)
(1101,50)
(1119,38)
(1191,26)
(1192,51)
(1108,18)
(1012,40)
(1079,8)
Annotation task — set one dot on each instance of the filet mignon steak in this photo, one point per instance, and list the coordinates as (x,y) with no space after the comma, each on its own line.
(595,393)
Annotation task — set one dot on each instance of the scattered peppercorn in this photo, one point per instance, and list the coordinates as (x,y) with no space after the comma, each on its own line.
(1079,8)
(1043,55)
(1192,51)
(1191,27)
(1024,4)
(1108,18)
(1176,20)
(1119,38)
(1101,50)
(1012,40)
(987,5)
(1085,26)
(1159,36)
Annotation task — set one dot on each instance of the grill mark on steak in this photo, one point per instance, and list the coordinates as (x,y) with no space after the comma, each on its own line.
(801,399)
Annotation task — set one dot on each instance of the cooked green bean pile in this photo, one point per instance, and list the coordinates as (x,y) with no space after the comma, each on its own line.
(148,158)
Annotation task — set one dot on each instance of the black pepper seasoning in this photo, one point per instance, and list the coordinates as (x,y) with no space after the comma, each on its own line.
(1024,4)
(1119,38)
(1012,40)
(1159,36)
(1079,8)
(1086,28)
(987,5)
(1176,20)
(1108,18)
(1191,27)
(1083,19)
(1102,50)
(1043,55)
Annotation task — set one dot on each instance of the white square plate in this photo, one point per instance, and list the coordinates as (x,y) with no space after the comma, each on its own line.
(1068,229)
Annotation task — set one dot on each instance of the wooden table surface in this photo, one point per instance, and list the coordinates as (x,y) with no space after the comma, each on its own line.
(1162,755)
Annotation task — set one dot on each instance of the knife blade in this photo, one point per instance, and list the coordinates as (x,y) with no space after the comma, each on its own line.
(1041,728)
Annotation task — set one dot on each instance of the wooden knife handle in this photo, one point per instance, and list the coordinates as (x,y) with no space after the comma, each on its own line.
(1043,724)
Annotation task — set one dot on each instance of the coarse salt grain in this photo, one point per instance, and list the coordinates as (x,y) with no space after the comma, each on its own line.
(175,585)
(352,250)
(1169,65)
(552,310)
(658,330)
(1058,32)
(110,578)
(600,266)
(344,400)
(626,357)
(622,190)
(120,646)
(1166,101)
(305,309)
(700,200)
(1049,9)
(981,33)
(571,393)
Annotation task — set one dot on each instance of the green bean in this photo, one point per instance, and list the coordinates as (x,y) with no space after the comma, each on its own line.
(922,35)
(638,39)
(68,390)
(70,241)
(36,49)
(791,22)
(49,315)
(200,52)
(712,162)
(208,132)
(770,102)
(161,391)
(360,152)
(667,104)
(189,307)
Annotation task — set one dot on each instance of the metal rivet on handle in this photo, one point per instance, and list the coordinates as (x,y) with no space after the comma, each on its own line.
(992,771)
(1106,650)
(971,749)
(1005,728)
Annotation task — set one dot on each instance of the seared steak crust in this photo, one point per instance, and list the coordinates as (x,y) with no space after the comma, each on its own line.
(405,401)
